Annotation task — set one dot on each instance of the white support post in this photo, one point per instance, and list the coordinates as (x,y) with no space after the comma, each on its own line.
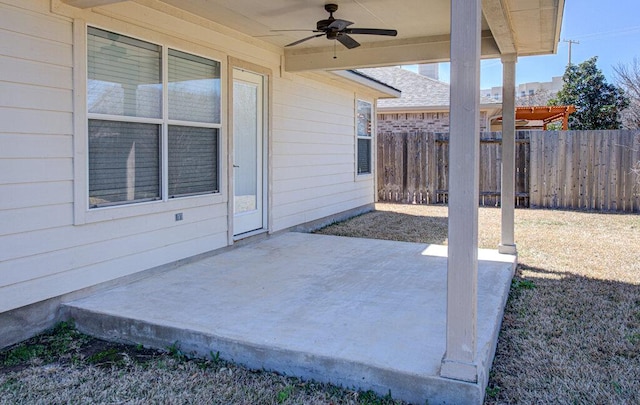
(459,360)
(507,190)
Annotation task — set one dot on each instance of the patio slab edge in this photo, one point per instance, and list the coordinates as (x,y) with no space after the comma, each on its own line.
(412,388)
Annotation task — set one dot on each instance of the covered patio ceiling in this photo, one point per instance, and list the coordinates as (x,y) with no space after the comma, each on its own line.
(521,27)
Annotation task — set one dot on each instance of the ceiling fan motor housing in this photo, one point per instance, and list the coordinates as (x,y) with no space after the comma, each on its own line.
(322,25)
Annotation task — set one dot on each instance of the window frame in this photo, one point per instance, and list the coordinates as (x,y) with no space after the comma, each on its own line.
(83,213)
(371,138)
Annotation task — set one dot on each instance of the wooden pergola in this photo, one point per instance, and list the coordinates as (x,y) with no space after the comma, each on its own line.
(544,114)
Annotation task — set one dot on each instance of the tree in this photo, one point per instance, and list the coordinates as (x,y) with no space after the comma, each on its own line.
(628,78)
(598,103)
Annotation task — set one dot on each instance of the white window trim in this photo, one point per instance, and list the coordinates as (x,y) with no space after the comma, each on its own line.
(82,213)
(372,138)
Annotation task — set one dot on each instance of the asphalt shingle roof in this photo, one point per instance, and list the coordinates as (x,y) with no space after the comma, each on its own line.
(417,90)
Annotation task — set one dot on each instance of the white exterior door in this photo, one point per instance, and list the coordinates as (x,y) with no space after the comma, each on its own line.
(248,152)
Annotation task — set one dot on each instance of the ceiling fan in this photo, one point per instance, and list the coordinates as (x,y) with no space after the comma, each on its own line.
(337,29)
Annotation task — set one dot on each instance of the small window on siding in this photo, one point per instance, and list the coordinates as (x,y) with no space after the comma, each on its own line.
(364,138)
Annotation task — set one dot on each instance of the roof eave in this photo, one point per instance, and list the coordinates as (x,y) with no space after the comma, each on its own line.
(384,89)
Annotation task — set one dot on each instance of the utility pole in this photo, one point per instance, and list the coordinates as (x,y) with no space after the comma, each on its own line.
(570,42)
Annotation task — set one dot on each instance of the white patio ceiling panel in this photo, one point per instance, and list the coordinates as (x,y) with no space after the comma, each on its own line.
(523,27)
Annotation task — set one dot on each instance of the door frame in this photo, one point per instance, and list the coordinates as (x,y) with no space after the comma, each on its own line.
(266,73)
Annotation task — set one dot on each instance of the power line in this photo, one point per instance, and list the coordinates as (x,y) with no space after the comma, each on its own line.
(609,34)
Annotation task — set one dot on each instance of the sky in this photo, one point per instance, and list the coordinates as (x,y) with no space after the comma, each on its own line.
(609,30)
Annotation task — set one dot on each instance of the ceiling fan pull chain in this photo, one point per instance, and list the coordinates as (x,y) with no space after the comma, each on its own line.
(334,50)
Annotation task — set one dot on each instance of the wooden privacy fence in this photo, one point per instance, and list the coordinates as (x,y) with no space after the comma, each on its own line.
(567,169)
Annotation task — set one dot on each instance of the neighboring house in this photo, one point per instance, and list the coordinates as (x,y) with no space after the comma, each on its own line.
(424,103)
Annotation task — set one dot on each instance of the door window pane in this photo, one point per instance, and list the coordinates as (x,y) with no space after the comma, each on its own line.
(245,144)
(193,160)
(194,88)
(124,162)
(124,75)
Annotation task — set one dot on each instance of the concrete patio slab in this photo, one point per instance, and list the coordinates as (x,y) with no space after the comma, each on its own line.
(360,313)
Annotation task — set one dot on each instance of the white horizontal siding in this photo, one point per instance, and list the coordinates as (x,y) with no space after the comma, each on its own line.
(317,148)
(20,95)
(27,121)
(311,135)
(289,110)
(23,46)
(302,183)
(305,213)
(95,253)
(313,126)
(30,6)
(35,146)
(30,219)
(34,23)
(313,153)
(13,171)
(308,162)
(316,193)
(62,239)
(17,70)
(288,173)
(35,194)
(22,294)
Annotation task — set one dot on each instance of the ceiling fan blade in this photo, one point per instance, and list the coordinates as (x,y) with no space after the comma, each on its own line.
(371,31)
(339,24)
(304,39)
(300,30)
(347,41)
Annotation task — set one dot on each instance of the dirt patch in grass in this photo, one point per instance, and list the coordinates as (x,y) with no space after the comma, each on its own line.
(571,330)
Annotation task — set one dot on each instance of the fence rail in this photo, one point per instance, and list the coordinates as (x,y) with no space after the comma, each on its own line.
(565,169)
